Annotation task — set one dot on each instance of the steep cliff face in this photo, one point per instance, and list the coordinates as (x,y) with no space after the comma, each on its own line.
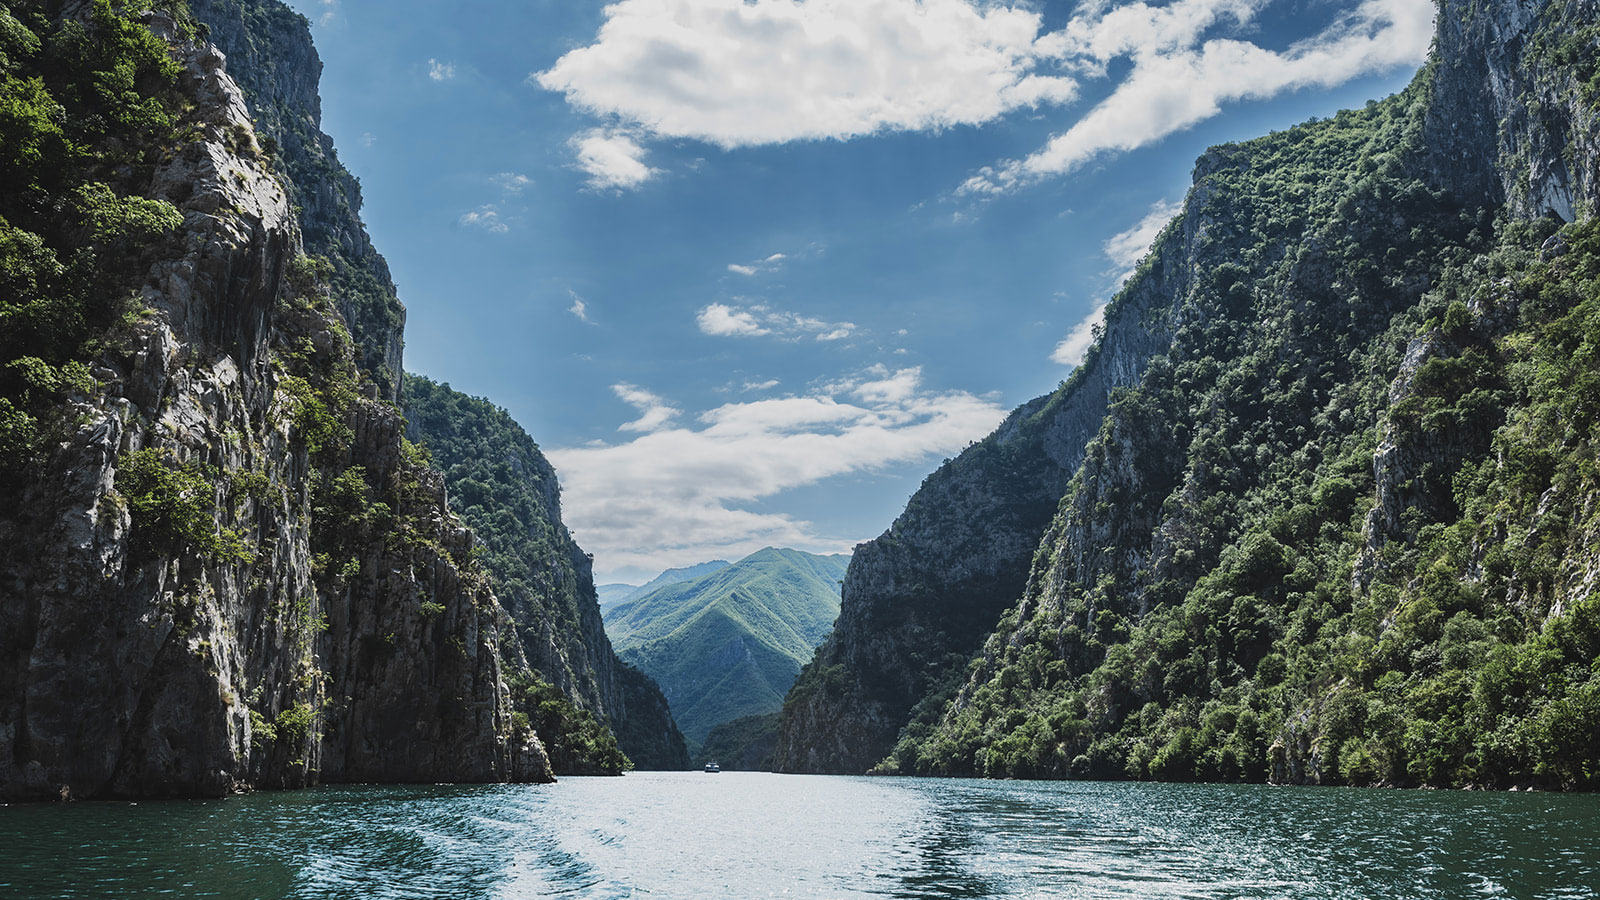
(1337,531)
(223,567)
(508,492)
(919,599)
(271,57)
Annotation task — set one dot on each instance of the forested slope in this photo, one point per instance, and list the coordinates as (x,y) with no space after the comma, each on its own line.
(1341,527)
(504,488)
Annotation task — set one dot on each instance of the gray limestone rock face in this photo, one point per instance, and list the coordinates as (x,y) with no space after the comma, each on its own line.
(136,665)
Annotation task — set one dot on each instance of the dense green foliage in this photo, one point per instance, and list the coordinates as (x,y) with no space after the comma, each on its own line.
(577,742)
(743,744)
(1259,600)
(502,486)
(729,644)
(86,112)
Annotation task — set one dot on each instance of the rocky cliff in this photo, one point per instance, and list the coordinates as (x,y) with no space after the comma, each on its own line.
(1297,544)
(271,58)
(508,492)
(223,565)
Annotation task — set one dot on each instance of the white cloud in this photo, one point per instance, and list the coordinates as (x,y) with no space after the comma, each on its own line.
(683,493)
(720,319)
(654,412)
(760,385)
(735,73)
(1125,249)
(1071,351)
(578,307)
(614,160)
(756,267)
(1179,78)
(441,71)
(725,320)
(511,182)
(739,73)
(486,217)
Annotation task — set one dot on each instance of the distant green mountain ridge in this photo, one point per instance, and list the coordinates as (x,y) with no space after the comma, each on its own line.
(729,643)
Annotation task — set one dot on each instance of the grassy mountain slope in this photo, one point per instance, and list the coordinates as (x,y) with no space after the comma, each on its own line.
(670,576)
(729,644)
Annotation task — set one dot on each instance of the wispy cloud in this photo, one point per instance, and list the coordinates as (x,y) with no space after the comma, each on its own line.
(486,217)
(1181,77)
(578,308)
(441,71)
(678,494)
(756,267)
(613,160)
(756,320)
(735,73)
(654,412)
(511,182)
(1125,249)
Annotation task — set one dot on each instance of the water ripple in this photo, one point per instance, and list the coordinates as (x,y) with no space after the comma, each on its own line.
(690,836)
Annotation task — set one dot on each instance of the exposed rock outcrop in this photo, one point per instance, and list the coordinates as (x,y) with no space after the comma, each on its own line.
(231,572)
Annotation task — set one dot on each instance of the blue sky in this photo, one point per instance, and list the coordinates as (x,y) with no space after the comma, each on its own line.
(749,270)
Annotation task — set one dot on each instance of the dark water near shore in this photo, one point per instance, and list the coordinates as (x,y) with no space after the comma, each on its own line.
(738,835)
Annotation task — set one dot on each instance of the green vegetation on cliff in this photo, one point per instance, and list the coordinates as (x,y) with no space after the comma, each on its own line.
(1343,530)
(502,486)
(86,111)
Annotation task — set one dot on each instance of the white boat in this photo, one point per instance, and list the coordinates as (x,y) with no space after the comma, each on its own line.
(713,767)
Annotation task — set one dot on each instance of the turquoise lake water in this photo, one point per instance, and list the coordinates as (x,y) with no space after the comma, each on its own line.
(737,835)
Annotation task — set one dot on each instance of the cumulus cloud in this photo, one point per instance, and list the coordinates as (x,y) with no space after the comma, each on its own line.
(486,217)
(682,494)
(613,160)
(735,73)
(725,320)
(1179,78)
(1125,249)
(738,73)
(441,71)
(653,411)
(738,269)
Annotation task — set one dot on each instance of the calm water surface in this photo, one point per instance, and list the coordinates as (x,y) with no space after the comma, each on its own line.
(737,835)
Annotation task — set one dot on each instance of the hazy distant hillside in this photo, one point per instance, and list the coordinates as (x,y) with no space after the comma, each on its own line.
(610,595)
(670,576)
(729,643)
